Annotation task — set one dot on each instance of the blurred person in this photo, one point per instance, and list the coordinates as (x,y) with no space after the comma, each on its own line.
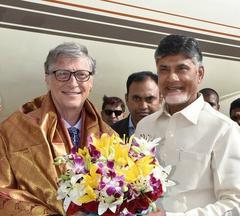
(235,110)
(199,142)
(142,98)
(45,128)
(211,97)
(113,109)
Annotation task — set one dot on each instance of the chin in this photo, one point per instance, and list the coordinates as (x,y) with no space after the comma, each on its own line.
(176,100)
(73,105)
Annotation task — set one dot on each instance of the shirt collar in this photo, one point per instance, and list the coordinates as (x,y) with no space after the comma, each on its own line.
(130,123)
(191,112)
(77,125)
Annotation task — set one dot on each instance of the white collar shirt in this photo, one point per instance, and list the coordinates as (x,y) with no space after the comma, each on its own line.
(203,147)
(77,125)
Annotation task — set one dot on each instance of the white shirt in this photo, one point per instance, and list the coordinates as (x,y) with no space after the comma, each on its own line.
(203,146)
(77,125)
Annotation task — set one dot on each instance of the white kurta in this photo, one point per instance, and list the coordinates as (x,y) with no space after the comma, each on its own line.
(203,146)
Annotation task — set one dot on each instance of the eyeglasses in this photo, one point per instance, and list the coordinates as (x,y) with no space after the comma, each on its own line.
(65,75)
(110,112)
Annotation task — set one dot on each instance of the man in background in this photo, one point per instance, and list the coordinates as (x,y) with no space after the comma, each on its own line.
(199,142)
(211,97)
(113,110)
(235,110)
(142,99)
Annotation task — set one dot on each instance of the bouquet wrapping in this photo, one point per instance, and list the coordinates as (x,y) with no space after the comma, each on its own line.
(110,177)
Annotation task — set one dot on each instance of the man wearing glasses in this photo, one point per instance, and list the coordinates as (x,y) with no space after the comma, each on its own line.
(47,127)
(113,109)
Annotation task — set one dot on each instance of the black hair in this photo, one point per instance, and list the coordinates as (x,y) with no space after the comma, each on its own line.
(113,101)
(235,104)
(178,44)
(208,92)
(141,76)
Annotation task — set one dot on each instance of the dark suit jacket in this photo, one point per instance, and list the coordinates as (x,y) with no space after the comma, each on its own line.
(121,127)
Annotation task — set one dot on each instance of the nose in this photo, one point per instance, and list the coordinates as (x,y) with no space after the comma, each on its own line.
(113,115)
(73,79)
(143,104)
(172,76)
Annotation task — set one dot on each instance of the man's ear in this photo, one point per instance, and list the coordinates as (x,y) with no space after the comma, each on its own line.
(126,97)
(201,71)
(46,78)
(91,84)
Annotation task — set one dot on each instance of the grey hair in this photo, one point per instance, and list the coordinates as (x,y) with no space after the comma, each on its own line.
(70,49)
(179,44)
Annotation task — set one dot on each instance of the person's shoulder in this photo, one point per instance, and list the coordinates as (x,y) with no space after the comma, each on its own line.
(217,117)
(33,105)
(150,118)
(26,113)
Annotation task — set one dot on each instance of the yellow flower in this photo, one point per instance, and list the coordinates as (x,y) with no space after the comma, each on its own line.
(92,179)
(138,169)
(102,144)
(106,145)
(121,154)
(89,196)
(84,153)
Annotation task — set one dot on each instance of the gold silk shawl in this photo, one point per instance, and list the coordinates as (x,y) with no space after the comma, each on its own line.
(29,141)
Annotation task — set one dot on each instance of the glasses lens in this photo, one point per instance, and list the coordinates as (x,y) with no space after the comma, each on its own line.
(110,112)
(118,112)
(62,75)
(82,75)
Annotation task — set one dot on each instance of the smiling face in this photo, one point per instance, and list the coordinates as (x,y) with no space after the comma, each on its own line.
(179,78)
(69,96)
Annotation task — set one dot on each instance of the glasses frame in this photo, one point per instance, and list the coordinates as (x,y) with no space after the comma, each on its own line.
(107,112)
(70,74)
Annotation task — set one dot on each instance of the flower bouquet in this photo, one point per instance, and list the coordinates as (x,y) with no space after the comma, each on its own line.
(110,177)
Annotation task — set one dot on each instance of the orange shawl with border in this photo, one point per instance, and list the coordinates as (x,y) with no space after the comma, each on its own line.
(29,141)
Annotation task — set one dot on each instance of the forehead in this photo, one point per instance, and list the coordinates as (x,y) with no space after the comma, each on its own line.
(68,62)
(113,107)
(210,97)
(235,111)
(144,88)
(175,60)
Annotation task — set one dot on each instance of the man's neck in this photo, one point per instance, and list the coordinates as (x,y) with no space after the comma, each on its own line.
(71,116)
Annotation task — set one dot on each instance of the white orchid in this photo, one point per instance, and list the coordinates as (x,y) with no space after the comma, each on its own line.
(146,146)
(162,173)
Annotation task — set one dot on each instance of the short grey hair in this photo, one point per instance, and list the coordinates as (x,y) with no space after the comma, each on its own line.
(70,49)
(179,44)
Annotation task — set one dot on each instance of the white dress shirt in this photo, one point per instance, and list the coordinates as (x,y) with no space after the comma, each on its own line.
(203,146)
